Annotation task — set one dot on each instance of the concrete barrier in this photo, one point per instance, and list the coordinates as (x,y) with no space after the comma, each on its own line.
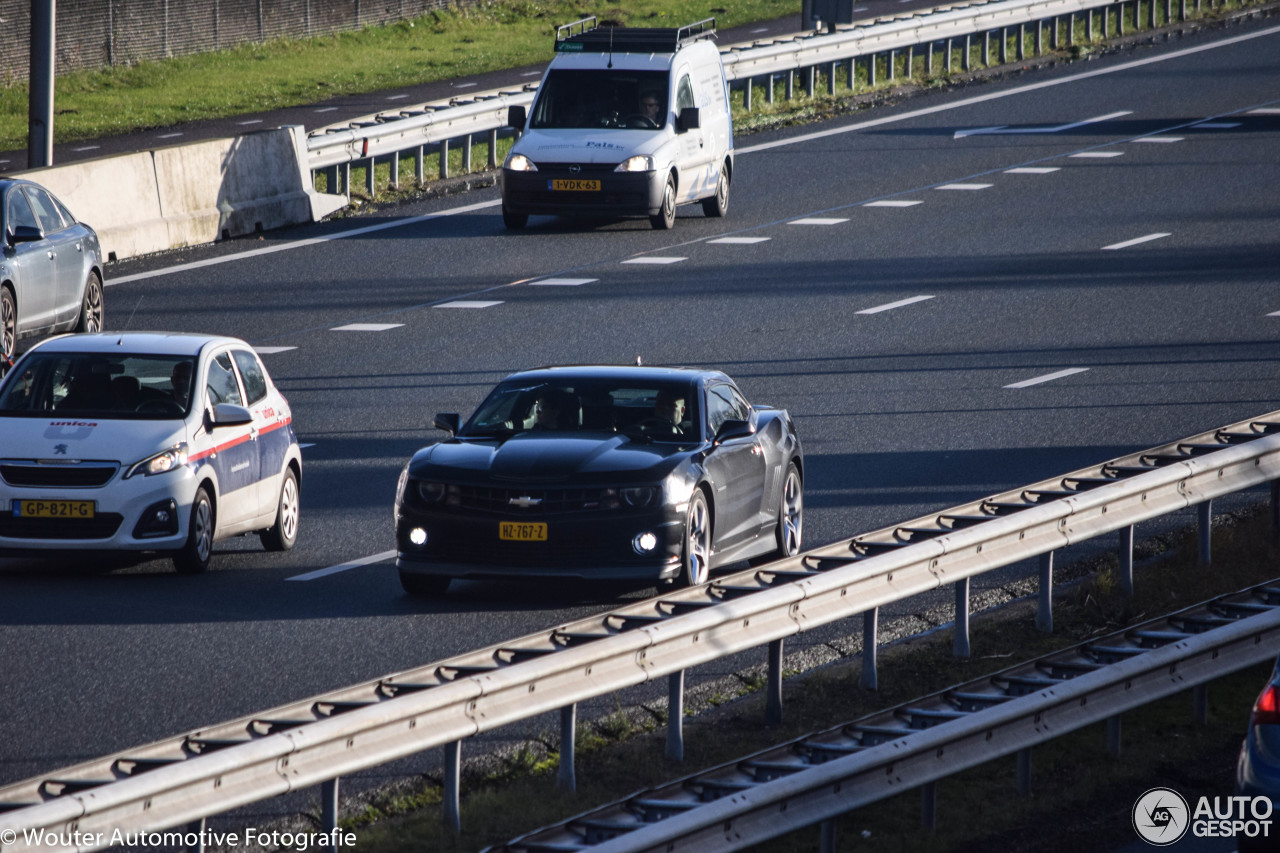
(199,192)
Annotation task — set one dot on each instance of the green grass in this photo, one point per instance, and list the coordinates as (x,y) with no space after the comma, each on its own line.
(286,72)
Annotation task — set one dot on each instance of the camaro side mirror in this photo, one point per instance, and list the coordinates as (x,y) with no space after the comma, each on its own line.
(516,117)
(229,414)
(734,428)
(449,421)
(688,119)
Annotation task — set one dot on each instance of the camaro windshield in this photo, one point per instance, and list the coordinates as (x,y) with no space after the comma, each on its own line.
(110,385)
(654,411)
(595,98)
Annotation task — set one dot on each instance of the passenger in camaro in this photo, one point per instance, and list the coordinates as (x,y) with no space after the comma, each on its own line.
(552,410)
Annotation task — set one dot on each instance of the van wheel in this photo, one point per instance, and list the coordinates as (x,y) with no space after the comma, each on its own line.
(91,311)
(665,218)
(718,204)
(196,553)
(514,221)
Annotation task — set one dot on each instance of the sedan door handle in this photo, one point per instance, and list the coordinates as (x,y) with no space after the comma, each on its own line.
(51,256)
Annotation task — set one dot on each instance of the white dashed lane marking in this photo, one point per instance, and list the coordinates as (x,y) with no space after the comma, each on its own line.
(396,97)
(168,136)
(818,220)
(1135,241)
(889,307)
(470,303)
(739,241)
(1215,125)
(89,148)
(366,327)
(326,109)
(305,446)
(1098,154)
(464,85)
(271,350)
(1049,377)
(1159,139)
(342,567)
(1264,111)
(892,203)
(1274,314)
(963,187)
(654,259)
(565,282)
(1032,170)
(250,121)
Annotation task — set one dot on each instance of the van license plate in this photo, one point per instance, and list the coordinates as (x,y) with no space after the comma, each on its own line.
(522,531)
(53,509)
(574,186)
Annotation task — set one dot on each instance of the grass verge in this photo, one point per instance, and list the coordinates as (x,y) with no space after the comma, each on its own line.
(1076,784)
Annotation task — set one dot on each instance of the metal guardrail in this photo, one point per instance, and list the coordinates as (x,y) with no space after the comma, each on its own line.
(315,741)
(826,774)
(438,123)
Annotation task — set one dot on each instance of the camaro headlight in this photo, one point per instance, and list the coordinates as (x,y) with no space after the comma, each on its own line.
(430,492)
(638,163)
(165,460)
(640,496)
(520,163)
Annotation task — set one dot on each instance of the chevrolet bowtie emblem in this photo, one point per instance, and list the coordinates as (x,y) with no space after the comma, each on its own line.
(524,502)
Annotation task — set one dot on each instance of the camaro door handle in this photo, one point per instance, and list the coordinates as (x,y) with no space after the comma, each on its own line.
(756,449)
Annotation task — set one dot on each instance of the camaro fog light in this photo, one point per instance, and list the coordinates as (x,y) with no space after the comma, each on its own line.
(644,543)
(418,536)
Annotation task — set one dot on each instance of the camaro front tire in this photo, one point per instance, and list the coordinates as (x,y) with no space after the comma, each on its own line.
(425,586)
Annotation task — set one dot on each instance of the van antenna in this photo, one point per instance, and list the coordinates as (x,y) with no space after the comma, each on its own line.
(610,65)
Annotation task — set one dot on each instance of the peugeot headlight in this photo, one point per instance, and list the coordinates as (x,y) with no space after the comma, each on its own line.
(638,163)
(640,496)
(520,163)
(165,460)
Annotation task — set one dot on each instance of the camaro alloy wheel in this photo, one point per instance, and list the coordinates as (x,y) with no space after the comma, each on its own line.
(284,533)
(91,310)
(696,556)
(194,556)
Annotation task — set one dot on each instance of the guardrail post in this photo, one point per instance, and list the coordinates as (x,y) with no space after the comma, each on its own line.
(1182,10)
(910,71)
(1151,21)
(371,177)
(929,805)
(768,98)
(1115,730)
(869,642)
(811,74)
(493,149)
(1022,41)
(949,65)
(1088,27)
(1200,704)
(1120,20)
(1044,605)
(419,165)
(960,640)
(1071,29)
(891,65)
(1168,12)
(675,716)
(928,60)
(1004,45)
(1126,560)
(746,95)
(1024,771)
(986,49)
(329,812)
(871,71)
(853,70)
(466,156)
(195,830)
(568,747)
(1039,37)
(453,786)
(827,836)
(1057,33)
(444,159)
(346,179)
(1106,22)
(832,70)
(394,182)
(968,49)
(1205,512)
(773,697)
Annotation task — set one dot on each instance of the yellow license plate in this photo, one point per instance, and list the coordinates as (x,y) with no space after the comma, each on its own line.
(53,509)
(519,531)
(575,186)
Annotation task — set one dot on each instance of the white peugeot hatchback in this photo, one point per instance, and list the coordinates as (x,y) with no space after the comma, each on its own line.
(144,442)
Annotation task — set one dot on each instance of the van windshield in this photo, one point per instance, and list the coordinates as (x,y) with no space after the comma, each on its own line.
(598,98)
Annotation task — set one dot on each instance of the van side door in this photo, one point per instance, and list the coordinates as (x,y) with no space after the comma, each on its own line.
(692,155)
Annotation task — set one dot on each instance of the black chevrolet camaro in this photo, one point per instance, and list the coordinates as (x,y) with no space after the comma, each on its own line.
(601,473)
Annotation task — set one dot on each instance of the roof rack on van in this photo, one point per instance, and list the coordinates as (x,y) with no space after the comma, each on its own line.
(594,39)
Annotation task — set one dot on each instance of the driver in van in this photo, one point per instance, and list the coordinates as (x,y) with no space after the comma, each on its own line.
(650,107)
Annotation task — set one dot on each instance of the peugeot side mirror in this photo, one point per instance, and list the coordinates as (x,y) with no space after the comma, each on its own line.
(229,414)
(689,119)
(448,421)
(516,117)
(732,429)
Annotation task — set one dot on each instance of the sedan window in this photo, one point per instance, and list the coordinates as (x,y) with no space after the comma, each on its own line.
(47,211)
(18,212)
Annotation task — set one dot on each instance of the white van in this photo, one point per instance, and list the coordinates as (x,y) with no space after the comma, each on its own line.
(627,122)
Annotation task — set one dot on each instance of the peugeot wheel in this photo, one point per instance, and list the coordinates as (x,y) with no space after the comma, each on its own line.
(195,554)
(91,309)
(665,218)
(284,533)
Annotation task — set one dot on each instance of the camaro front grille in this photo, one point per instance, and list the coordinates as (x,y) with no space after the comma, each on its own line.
(79,475)
(530,502)
(102,526)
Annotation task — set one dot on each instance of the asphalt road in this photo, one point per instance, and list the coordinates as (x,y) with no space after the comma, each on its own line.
(946,315)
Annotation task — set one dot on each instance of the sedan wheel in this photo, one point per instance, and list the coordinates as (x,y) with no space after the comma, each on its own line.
(695,560)
(195,554)
(91,309)
(8,329)
(283,535)
(791,514)
(665,218)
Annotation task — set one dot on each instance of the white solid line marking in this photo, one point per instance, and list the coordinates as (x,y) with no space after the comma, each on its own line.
(531,74)
(464,85)
(1032,170)
(654,259)
(818,220)
(168,135)
(366,327)
(891,203)
(739,241)
(1264,111)
(892,305)
(1003,129)
(1071,371)
(1098,154)
(963,187)
(396,97)
(566,282)
(470,303)
(89,148)
(354,564)
(250,121)
(1159,139)
(1135,241)
(271,350)
(326,109)
(1215,125)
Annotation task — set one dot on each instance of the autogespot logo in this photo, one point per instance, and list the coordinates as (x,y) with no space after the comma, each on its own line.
(1161,817)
